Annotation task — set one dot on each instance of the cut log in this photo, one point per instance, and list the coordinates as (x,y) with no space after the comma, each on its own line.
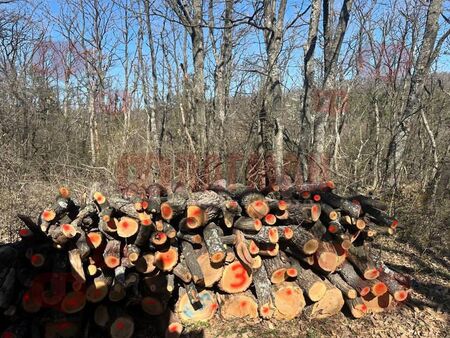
(182,272)
(288,300)
(235,278)
(330,304)
(343,204)
(94,239)
(361,259)
(111,254)
(357,307)
(174,326)
(132,252)
(303,212)
(378,288)
(146,263)
(270,219)
(214,244)
(191,238)
(328,212)
(311,284)
(153,305)
(248,224)
(190,257)
(76,265)
(268,250)
(327,258)
(73,302)
(348,273)
(267,235)
(395,289)
(276,269)
(127,227)
(238,306)
(99,288)
(158,238)
(285,232)
(174,207)
(187,313)
(303,241)
(263,292)
(211,272)
(166,260)
(342,285)
(322,186)
(377,304)
(370,202)
(195,217)
(255,205)
(380,217)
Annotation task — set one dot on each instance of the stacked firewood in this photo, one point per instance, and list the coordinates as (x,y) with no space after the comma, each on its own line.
(94,267)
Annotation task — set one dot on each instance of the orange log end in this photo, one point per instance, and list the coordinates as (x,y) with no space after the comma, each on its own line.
(371,274)
(364,291)
(315,212)
(379,289)
(68,230)
(291,272)
(288,232)
(166,211)
(253,248)
(127,227)
(273,235)
(282,205)
(64,192)
(99,198)
(305,195)
(258,209)
(316,197)
(112,262)
(270,219)
(332,228)
(48,215)
(258,224)
(330,184)
(401,295)
(94,239)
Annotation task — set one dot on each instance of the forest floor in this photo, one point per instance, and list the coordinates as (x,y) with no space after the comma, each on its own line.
(426,314)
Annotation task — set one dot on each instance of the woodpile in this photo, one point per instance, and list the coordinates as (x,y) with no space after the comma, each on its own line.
(176,256)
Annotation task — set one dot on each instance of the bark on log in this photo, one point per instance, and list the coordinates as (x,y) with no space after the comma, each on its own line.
(263,292)
(304,241)
(216,249)
(311,284)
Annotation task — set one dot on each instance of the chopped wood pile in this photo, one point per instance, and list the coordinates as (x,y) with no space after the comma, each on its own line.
(92,268)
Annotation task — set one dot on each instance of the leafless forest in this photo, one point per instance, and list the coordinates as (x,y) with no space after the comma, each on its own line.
(134,92)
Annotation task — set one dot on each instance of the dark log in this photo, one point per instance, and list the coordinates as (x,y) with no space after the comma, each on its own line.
(380,217)
(343,204)
(303,212)
(311,284)
(111,254)
(303,241)
(276,269)
(342,285)
(191,238)
(190,257)
(263,290)
(267,235)
(360,257)
(371,202)
(214,244)
(248,224)
(348,273)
